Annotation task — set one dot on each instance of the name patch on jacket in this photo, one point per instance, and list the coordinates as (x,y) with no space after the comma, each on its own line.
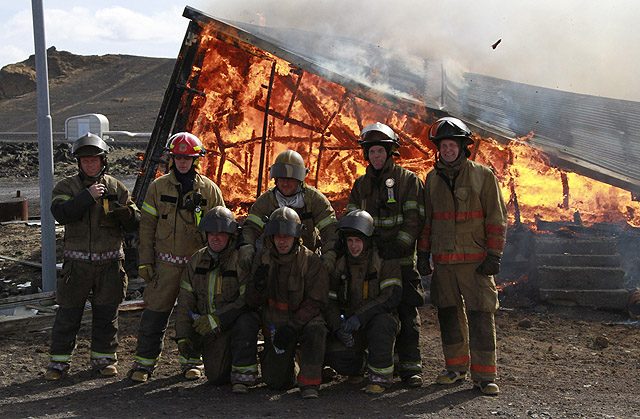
(167,198)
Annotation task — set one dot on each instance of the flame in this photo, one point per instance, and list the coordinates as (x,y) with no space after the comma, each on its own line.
(321,120)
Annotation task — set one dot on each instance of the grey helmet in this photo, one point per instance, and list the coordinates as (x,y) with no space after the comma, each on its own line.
(89,145)
(288,164)
(379,134)
(359,220)
(218,220)
(284,220)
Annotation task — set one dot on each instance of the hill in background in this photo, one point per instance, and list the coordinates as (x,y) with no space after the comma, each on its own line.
(127,89)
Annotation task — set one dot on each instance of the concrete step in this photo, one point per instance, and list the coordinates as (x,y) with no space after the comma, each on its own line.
(578,260)
(575,246)
(579,278)
(602,299)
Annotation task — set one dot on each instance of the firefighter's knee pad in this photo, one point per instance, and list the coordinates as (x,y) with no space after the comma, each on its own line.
(450,325)
(481,330)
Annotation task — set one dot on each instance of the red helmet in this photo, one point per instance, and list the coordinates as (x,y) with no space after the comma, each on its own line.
(185,144)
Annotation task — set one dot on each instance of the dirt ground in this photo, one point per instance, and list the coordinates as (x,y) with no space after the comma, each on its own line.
(553,362)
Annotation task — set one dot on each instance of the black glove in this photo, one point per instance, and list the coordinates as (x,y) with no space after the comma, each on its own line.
(284,336)
(393,250)
(489,266)
(346,338)
(352,324)
(120,213)
(260,277)
(424,266)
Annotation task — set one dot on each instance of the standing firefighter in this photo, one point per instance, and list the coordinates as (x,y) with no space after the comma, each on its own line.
(465,230)
(210,319)
(171,212)
(393,196)
(95,209)
(290,286)
(313,208)
(364,292)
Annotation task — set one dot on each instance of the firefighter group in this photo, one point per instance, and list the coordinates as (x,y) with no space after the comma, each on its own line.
(293,296)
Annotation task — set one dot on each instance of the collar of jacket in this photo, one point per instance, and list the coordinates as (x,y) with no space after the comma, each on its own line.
(197,180)
(386,168)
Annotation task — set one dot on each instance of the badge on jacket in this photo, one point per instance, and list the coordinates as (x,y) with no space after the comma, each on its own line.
(390,183)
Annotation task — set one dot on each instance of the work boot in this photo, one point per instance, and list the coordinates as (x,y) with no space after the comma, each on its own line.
(139,375)
(487,387)
(108,370)
(355,379)
(240,388)
(374,389)
(192,374)
(413,381)
(56,371)
(309,393)
(328,374)
(451,377)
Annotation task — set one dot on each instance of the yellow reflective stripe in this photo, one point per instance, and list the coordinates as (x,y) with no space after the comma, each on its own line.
(389,282)
(422,211)
(96,355)
(62,197)
(388,221)
(381,371)
(329,220)
(60,358)
(246,369)
(148,208)
(410,205)
(405,237)
(145,361)
(256,220)
(185,285)
(242,289)
(211,292)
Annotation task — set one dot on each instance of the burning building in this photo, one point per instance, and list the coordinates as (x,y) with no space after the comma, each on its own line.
(250,92)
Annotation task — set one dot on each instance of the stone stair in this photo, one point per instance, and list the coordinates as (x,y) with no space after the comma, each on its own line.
(580,272)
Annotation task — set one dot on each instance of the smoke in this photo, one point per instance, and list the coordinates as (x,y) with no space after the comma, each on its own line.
(582,46)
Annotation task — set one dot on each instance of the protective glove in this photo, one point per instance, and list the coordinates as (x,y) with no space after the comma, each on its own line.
(329,260)
(352,324)
(284,336)
(185,347)
(120,213)
(261,277)
(207,324)
(245,256)
(393,250)
(489,266)
(146,272)
(346,338)
(424,266)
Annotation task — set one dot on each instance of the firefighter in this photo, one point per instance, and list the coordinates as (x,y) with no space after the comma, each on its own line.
(393,197)
(464,232)
(290,287)
(171,213)
(364,292)
(210,319)
(95,209)
(290,190)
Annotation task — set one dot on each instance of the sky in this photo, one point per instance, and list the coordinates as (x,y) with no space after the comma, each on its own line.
(583,46)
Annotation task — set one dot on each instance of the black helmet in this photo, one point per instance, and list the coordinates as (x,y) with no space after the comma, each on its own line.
(89,145)
(288,164)
(379,134)
(359,220)
(284,220)
(450,128)
(218,220)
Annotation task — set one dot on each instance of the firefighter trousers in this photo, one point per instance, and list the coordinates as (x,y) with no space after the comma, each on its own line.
(466,302)
(160,296)
(279,370)
(408,341)
(377,339)
(230,356)
(107,284)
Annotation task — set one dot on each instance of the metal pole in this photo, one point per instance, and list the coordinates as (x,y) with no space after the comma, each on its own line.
(45,150)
